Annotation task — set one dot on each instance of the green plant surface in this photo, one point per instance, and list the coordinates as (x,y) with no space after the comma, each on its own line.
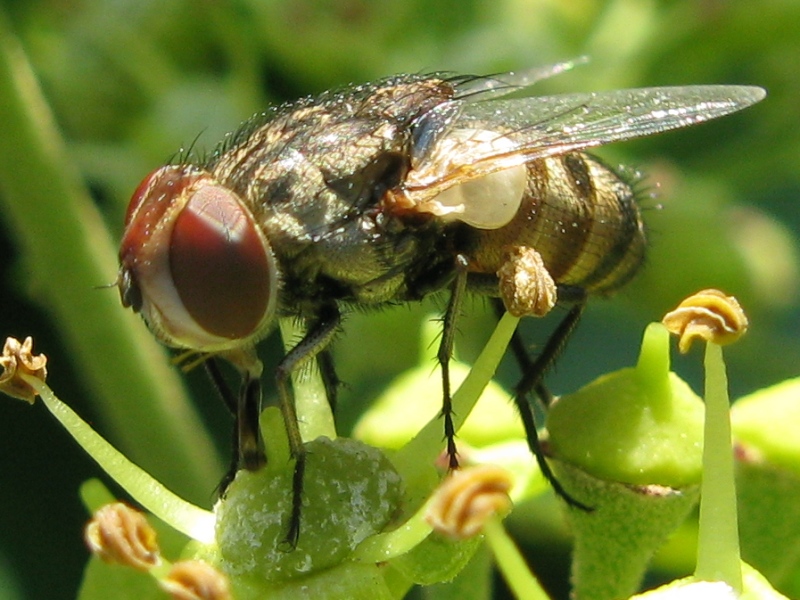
(118,88)
(768,476)
(358,510)
(638,468)
(640,425)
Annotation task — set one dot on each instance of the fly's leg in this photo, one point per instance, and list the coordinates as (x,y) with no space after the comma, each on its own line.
(251,445)
(248,448)
(533,373)
(248,444)
(527,289)
(214,373)
(330,380)
(446,351)
(224,392)
(319,335)
(246,434)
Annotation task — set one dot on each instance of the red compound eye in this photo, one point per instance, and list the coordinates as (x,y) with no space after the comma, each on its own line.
(221,265)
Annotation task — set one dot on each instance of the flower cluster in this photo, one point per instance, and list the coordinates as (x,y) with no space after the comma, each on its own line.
(376,521)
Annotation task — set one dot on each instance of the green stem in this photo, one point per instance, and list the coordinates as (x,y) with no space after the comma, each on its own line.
(68,252)
(511,563)
(150,493)
(428,442)
(718,556)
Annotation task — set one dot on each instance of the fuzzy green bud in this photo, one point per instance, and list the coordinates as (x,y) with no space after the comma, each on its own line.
(351,491)
(640,425)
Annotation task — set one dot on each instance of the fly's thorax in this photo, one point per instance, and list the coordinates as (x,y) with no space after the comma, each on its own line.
(314,169)
(348,141)
(314,178)
(581,216)
(317,209)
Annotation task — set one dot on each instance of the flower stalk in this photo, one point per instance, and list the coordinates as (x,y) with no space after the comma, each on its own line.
(187,518)
(718,557)
(717,319)
(511,563)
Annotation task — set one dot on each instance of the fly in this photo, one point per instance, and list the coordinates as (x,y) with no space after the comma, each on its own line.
(388,192)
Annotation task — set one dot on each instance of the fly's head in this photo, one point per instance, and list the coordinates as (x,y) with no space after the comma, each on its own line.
(195,264)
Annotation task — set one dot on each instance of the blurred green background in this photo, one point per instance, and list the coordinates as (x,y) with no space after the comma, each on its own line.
(128,83)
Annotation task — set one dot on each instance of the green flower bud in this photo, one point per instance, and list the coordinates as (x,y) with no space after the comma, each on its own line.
(351,491)
(766,422)
(354,581)
(622,444)
(768,481)
(640,425)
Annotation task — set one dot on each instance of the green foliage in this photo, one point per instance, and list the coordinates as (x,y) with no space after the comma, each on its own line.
(361,536)
(768,482)
(125,84)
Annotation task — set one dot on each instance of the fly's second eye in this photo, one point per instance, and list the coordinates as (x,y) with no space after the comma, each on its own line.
(220,267)
(195,262)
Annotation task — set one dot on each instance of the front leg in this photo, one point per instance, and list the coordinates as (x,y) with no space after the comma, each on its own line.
(445,352)
(330,380)
(246,407)
(320,333)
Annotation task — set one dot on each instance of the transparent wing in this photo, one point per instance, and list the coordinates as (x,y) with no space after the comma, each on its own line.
(538,127)
(478,89)
(482,88)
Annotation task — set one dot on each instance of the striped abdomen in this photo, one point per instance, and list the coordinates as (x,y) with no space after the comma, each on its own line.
(580,216)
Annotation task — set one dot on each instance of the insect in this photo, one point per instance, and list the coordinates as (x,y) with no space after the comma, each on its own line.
(389,192)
